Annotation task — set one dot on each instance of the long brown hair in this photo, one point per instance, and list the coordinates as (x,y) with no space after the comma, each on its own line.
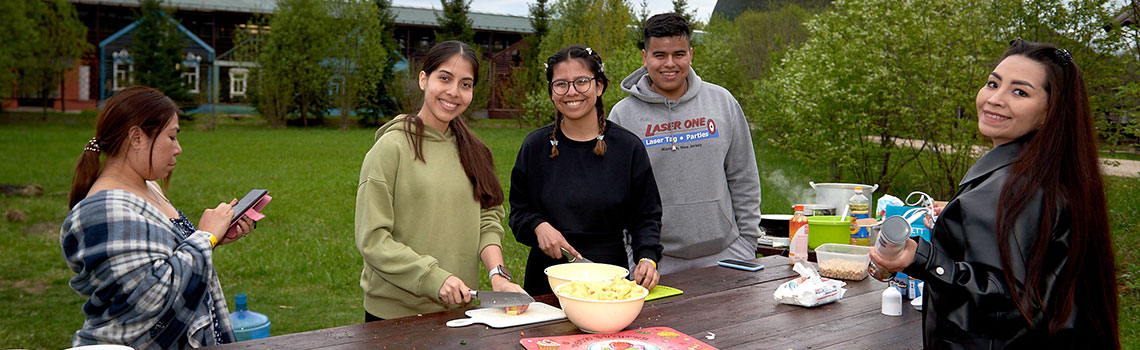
(1060,161)
(139,106)
(593,62)
(478,163)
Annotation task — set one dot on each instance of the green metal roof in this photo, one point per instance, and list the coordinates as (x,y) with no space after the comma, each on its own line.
(404,14)
(479,20)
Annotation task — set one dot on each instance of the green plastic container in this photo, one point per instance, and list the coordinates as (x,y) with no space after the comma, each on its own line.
(828,229)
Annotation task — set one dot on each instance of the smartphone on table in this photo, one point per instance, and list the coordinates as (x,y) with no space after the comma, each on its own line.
(741,264)
(247,203)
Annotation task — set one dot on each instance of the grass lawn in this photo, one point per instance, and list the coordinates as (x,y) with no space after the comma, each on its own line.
(300,267)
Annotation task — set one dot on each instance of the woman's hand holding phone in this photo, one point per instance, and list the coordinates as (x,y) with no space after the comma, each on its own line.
(216,221)
(244,226)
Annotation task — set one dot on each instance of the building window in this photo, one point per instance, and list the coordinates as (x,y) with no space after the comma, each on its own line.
(124,70)
(190,75)
(238,78)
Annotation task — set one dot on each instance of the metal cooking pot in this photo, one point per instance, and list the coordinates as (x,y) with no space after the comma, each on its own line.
(775,224)
(838,194)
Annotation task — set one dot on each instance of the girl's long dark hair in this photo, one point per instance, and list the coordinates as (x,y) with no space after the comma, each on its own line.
(478,163)
(1060,161)
(139,106)
(593,62)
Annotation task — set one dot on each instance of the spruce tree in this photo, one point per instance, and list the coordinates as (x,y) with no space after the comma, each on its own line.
(681,7)
(158,51)
(454,24)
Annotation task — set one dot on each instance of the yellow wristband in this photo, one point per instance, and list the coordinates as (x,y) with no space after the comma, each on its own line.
(650,261)
(214,241)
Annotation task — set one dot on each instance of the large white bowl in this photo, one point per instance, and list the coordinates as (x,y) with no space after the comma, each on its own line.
(595,316)
(586,272)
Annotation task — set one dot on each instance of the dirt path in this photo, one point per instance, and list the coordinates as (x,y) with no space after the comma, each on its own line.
(1108,166)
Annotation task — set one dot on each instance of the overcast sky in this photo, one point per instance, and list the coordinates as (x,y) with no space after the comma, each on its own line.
(704,8)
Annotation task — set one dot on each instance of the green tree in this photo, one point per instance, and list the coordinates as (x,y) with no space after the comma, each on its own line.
(681,7)
(380,100)
(294,74)
(539,19)
(158,50)
(908,71)
(531,75)
(642,16)
(358,54)
(606,26)
(851,95)
(21,31)
(735,53)
(59,38)
(454,23)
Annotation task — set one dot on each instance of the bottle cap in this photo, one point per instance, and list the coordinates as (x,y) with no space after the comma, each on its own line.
(799,207)
(892,302)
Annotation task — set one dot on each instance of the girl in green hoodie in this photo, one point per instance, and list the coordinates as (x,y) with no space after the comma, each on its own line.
(428,204)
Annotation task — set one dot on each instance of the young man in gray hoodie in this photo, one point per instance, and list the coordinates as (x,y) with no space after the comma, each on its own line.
(701,150)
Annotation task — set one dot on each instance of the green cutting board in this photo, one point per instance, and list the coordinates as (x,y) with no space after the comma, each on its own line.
(661,291)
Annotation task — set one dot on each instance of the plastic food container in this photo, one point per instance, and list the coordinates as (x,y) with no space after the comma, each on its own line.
(843,261)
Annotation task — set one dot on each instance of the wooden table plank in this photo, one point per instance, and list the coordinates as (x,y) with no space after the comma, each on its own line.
(735,305)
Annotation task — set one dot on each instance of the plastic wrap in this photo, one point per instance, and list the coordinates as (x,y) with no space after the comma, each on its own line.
(809,290)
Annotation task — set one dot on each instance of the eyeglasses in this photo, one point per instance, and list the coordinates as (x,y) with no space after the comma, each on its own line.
(582,85)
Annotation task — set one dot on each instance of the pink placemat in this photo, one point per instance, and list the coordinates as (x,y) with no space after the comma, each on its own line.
(652,338)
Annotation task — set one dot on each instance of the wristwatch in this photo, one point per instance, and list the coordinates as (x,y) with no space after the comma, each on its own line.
(500,270)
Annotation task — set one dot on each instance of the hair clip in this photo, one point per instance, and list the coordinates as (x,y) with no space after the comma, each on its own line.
(600,137)
(1063,57)
(589,51)
(92,146)
(554,143)
(545,65)
(603,69)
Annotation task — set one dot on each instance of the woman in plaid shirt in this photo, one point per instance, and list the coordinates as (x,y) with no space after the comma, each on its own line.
(146,271)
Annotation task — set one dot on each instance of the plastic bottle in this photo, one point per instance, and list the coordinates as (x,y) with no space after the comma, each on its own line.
(860,208)
(798,232)
(248,324)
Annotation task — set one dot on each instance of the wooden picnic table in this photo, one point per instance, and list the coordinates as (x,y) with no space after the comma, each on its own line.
(736,306)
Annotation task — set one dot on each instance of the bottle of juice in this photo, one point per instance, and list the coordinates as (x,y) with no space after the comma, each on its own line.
(798,233)
(859,208)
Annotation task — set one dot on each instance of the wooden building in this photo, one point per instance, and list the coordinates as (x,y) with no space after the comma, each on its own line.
(208,27)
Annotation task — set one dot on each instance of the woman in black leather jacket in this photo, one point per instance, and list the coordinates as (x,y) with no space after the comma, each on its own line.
(1022,256)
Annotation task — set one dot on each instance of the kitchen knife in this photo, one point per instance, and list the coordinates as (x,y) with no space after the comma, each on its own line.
(501,299)
(566,254)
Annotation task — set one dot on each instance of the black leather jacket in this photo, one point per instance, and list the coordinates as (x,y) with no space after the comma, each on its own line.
(967,301)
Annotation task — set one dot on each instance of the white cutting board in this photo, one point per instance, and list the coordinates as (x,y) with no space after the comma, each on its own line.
(496,317)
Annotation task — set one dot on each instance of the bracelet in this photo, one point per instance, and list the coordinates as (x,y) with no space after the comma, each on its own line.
(213,240)
(650,261)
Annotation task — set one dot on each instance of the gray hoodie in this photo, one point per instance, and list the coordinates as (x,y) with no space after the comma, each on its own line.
(702,156)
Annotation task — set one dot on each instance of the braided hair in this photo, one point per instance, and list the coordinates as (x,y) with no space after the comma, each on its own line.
(589,58)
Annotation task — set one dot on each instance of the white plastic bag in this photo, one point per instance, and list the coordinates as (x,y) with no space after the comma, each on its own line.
(809,290)
(883,202)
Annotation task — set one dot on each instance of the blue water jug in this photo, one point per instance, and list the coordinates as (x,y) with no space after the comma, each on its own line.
(248,324)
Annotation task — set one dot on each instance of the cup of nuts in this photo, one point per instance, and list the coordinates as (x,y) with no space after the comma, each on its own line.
(843,261)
